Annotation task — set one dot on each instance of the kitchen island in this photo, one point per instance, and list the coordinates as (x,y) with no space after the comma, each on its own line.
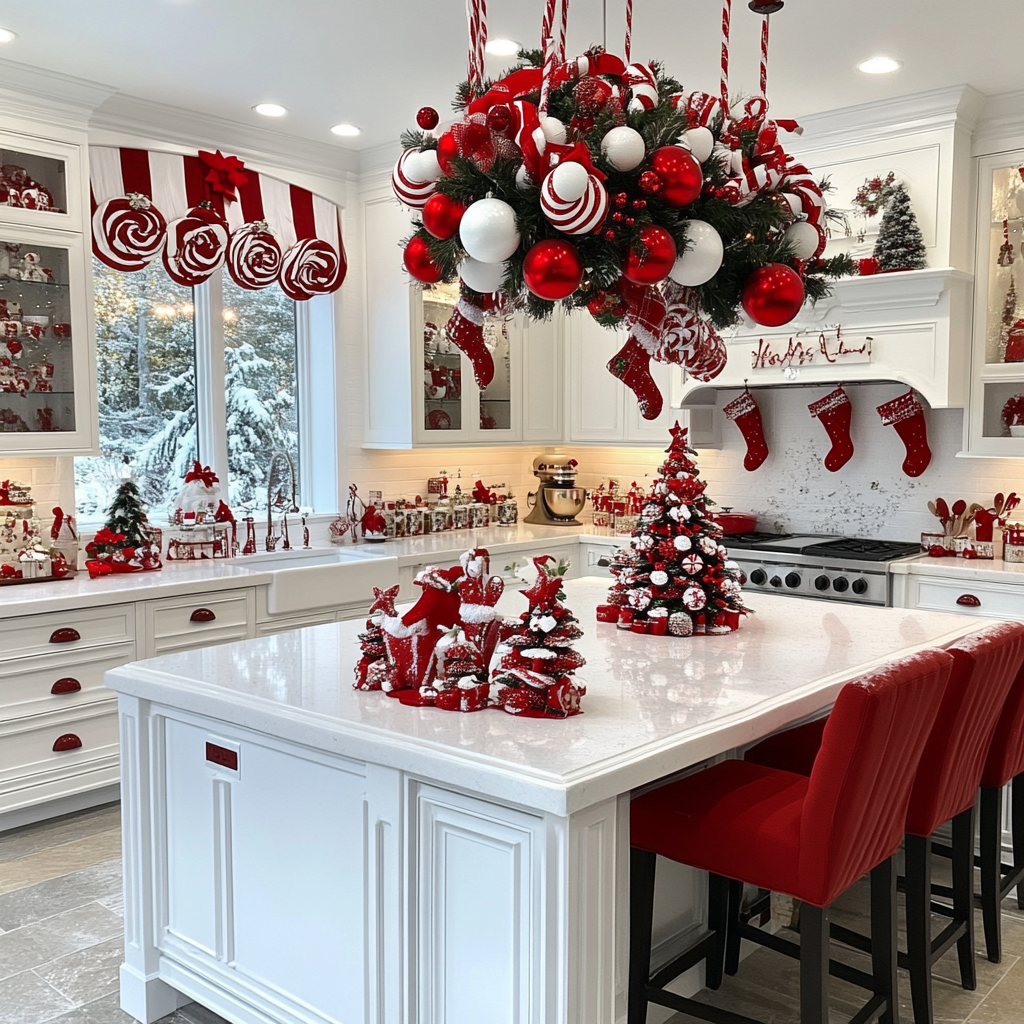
(297,851)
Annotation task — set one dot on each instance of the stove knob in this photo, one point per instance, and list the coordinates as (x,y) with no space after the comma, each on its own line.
(776,581)
(793,580)
(840,584)
(860,586)
(759,577)
(822,582)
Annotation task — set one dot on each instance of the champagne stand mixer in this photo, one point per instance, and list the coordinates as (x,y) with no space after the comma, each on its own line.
(557,500)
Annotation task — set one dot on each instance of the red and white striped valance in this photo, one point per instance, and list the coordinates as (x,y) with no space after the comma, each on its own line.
(199,213)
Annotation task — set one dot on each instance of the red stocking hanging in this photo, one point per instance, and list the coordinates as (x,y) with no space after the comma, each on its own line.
(465,330)
(743,411)
(906,414)
(632,365)
(834,412)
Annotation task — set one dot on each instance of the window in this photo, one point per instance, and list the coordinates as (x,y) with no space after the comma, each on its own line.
(210,373)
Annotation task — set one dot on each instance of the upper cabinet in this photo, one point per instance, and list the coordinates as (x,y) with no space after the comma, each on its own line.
(47,370)
(995,426)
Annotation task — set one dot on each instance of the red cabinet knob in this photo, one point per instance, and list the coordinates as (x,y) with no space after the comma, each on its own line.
(66,635)
(202,615)
(968,601)
(69,741)
(66,685)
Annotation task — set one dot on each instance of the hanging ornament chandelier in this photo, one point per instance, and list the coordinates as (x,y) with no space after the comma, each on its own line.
(602,184)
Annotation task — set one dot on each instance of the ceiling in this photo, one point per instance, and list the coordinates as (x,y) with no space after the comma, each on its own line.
(375,62)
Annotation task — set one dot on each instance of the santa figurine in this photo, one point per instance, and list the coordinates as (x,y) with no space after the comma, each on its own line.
(479,592)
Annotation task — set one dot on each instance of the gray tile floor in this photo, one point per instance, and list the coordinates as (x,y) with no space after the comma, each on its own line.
(61,943)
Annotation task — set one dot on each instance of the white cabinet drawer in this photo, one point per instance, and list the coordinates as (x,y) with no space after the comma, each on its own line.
(971,598)
(66,631)
(80,736)
(56,682)
(181,623)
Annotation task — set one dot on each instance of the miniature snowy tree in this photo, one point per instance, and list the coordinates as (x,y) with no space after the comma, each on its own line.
(900,245)
(127,515)
(371,666)
(675,577)
(537,661)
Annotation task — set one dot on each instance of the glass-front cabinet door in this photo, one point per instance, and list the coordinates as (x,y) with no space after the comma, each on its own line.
(39,182)
(46,400)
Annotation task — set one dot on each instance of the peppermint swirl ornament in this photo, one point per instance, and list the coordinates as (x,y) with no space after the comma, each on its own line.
(128,232)
(310,267)
(573,200)
(691,565)
(694,599)
(254,256)
(411,192)
(197,246)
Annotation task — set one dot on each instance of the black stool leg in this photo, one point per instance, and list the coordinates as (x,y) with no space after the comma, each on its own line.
(732,939)
(883,939)
(917,856)
(642,866)
(991,870)
(1017,831)
(814,955)
(963,894)
(718,923)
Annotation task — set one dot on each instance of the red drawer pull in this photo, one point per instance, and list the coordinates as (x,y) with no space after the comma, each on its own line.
(202,615)
(968,601)
(69,741)
(66,685)
(67,635)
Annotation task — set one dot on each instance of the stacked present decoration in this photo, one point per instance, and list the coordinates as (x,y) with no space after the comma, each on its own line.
(675,578)
(24,555)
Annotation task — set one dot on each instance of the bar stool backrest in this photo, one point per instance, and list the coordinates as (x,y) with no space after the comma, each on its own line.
(1006,754)
(856,803)
(985,665)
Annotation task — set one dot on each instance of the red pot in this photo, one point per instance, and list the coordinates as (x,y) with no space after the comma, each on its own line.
(735,522)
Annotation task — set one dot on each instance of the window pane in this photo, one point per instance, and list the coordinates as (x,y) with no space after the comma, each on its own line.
(146,379)
(262,411)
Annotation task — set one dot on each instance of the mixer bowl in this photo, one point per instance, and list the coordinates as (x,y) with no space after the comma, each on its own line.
(565,502)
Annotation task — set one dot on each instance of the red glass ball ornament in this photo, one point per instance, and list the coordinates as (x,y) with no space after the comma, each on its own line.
(629,222)
(441,215)
(655,264)
(617,217)
(426,118)
(680,174)
(638,204)
(609,235)
(650,182)
(552,269)
(418,262)
(620,199)
(447,148)
(499,118)
(773,295)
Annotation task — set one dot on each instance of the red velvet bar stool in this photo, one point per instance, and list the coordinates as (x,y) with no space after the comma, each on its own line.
(945,789)
(811,837)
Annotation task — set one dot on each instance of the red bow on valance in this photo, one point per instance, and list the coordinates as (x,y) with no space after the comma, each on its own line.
(203,473)
(225,173)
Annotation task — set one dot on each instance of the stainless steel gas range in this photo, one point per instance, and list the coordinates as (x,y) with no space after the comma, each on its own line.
(823,567)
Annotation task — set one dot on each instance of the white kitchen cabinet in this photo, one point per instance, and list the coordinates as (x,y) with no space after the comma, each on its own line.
(198,620)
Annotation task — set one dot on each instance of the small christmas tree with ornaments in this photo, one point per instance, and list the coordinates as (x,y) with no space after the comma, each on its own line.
(127,542)
(900,245)
(675,577)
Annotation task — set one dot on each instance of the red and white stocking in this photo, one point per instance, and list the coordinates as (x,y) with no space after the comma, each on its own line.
(744,412)
(834,412)
(632,365)
(465,330)
(906,414)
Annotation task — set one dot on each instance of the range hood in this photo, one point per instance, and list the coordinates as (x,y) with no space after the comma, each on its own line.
(911,327)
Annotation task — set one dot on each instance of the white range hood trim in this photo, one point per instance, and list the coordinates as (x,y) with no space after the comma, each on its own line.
(920,321)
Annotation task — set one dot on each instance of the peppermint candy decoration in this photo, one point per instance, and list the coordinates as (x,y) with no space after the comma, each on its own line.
(197,246)
(640,598)
(692,564)
(694,599)
(659,577)
(413,193)
(254,256)
(709,546)
(127,233)
(682,543)
(310,267)
(573,200)
(643,87)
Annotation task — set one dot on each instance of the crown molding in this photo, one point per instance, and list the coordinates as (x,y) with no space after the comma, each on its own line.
(959,106)
(50,96)
(1001,126)
(380,157)
(178,127)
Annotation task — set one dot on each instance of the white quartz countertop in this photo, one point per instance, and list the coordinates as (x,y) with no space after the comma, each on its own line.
(654,705)
(985,570)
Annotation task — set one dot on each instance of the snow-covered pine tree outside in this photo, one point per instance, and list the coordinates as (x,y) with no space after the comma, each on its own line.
(900,244)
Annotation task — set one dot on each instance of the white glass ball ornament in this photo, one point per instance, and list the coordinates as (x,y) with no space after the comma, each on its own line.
(482,277)
(488,231)
(623,148)
(795,203)
(803,238)
(569,181)
(554,130)
(699,141)
(703,257)
(423,167)
(659,578)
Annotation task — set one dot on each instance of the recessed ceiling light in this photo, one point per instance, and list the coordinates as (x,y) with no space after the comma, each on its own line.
(502,47)
(879,66)
(346,130)
(6,35)
(270,109)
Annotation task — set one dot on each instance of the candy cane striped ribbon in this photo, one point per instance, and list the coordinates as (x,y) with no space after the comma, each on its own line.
(549,67)
(476,21)
(764,57)
(629,32)
(726,18)
(562,30)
